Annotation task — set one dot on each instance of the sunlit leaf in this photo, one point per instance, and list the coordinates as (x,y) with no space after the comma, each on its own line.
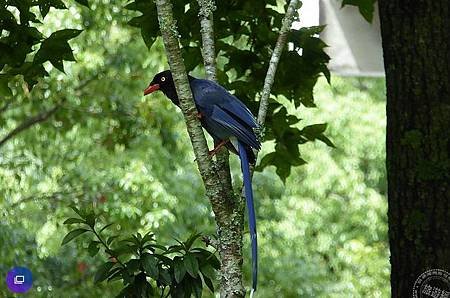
(73,220)
(73,234)
(105,227)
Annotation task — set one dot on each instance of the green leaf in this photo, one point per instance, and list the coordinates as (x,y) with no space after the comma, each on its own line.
(8,19)
(179,269)
(214,261)
(30,72)
(208,276)
(152,246)
(133,265)
(73,220)
(208,271)
(148,22)
(326,140)
(73,234)
(83,2)
(64,34)
(133,240)
(150,264)
(111,239)
(81,213)
(191,264)
(191,239)
(142,286)
(56,48)
(174,248)
(58,64)
(209,283)
(125,249)
(44,6)
(163,258)
(105,227)
(148,237)
(208,257)
(126,292)
(127,277)
(283,160)
(115,273)
(90,219)
(164,277)
(197,286)
(93,248)
(103,272)
(314,130)
(138,237)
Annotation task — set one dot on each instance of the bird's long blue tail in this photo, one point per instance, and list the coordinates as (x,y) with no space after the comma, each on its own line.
(251,212)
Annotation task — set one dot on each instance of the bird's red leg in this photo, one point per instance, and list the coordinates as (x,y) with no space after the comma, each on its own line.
(199,115)
(220,145)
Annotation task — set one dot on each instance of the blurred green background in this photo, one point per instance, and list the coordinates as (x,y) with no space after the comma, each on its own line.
(322,234)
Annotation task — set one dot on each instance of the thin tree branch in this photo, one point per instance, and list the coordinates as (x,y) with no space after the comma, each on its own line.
(208,52)
(207,30)
(273,64)
(270,76)
(41,117)
(44,115)
(58,195)
(230,233)
(205,14)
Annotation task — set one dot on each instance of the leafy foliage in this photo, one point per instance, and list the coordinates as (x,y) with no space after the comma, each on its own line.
(56,48)
(20,38)
(145,267)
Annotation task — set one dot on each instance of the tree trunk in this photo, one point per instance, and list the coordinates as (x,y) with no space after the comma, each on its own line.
(416,45)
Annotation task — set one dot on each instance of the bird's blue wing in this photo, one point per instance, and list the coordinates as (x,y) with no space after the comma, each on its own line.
(237,108)
(210,93)
(231,127)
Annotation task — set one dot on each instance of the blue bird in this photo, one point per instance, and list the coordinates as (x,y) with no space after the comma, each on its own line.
(230,123)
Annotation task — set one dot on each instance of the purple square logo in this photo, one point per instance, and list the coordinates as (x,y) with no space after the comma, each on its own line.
(19,279)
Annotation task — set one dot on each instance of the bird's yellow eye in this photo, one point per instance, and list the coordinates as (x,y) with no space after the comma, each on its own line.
(163,79)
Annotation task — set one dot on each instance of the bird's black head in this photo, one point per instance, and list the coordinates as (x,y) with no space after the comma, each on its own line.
(163,81)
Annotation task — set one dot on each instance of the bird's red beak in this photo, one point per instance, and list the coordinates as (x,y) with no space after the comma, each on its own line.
(151,88)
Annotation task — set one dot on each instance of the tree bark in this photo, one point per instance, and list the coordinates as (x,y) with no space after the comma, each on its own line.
(416,45)
(275,58)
